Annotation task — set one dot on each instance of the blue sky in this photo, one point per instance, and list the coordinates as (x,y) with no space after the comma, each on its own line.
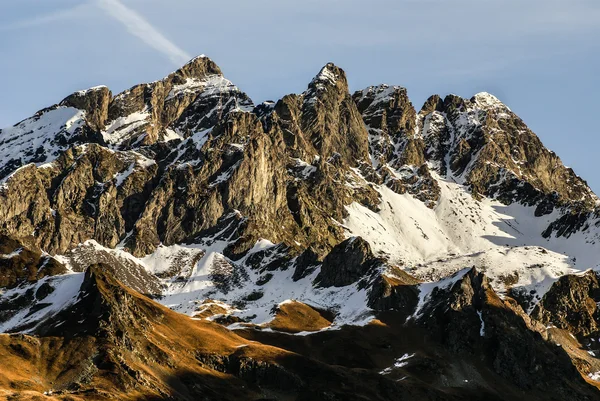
(540,57)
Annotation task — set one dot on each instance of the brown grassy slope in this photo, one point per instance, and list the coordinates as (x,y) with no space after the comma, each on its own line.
(114,343)
(295,317)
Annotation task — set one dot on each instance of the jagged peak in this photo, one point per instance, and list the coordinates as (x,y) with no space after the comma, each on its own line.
(200,57)
(379,93)
(481,100)
(329,73)
(433,103)
(330,76)
(198,67)
(84,92)
(487,100)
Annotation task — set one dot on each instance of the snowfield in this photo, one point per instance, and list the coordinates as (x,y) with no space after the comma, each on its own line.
(503,241)
(38,138)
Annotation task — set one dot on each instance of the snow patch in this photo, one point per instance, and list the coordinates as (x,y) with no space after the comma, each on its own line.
(40,138)
(66,291)
(399,363)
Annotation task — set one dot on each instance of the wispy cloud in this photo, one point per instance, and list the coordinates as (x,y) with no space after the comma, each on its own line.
(59,15)
(142,29)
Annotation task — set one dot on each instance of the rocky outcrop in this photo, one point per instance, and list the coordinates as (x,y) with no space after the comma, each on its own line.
(466,316)
(397,148)
(571,304)
(392,122)
(347,263)
(240,168)
(94,102)
(89,192)
(394,290)
(21,262)
(189,100)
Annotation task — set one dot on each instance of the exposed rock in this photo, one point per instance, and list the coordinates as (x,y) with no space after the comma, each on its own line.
(395,142)
(347,263)
(24,263)
(394,290)
(148,113)
(88,193)
(468,316)
(571,304)
(94,102)
(265,194)
(491,148)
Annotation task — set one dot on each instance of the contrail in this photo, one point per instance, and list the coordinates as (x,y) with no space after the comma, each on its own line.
(138,26)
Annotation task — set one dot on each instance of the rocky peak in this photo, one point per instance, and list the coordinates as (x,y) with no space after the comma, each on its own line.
(433,103)
(481,143)
(486,100)
(198,67)
(94,102)
(143,115)
(391,120)
(396,148)
(329,75)
(329,120)
(173,107)
(348,262)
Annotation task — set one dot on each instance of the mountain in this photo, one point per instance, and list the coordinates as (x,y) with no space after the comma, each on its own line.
(177,241)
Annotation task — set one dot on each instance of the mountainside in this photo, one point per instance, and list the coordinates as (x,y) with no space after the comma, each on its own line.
(177,241)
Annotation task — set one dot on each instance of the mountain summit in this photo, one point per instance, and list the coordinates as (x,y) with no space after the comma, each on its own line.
(175,241)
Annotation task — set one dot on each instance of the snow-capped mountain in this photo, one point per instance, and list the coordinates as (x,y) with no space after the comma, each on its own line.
(325,215)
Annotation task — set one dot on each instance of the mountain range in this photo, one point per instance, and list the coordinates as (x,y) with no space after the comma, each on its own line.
(177,241)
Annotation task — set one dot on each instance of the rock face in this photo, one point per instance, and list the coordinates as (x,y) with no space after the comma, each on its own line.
(177,106)
(94,102)
(207,155)
(493,151)
(392,122)
(223,165)
(571,304)
(21,263)
(397,148)
(315,212)
(347,263)
(88,192)
(468,315)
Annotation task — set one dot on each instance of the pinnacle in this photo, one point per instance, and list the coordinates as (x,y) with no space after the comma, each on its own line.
(330,73)
(487,100)
(198,67)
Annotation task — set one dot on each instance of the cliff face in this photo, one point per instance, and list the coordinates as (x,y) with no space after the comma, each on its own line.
(483,143)
(274,168)
(319,211)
